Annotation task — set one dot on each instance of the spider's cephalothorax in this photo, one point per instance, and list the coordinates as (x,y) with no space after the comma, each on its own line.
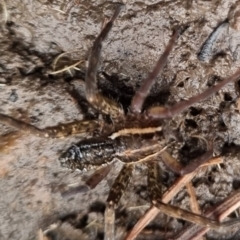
(123,138)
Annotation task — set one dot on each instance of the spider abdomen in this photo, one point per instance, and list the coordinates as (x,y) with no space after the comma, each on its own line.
(88,154)
(94,152)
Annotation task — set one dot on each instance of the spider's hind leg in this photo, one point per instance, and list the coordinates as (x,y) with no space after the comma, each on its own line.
(98,101)
(90,183)
(114,196)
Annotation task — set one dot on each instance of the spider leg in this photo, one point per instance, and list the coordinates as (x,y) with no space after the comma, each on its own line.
(101,103)
(90,183)
(176,212)
(176,167)
(154,177)
(98,176)
(9,121)
(114,196)
(72,128)
(161,112)
(197,162)
(59,131)
(142,93)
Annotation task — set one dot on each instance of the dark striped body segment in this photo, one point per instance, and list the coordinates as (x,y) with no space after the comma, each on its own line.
(88,153)
(94,152)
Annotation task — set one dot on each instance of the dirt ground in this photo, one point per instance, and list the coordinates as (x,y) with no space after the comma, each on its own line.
(33,33)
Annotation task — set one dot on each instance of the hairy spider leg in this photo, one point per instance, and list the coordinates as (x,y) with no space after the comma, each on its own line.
(142,93)
(60,131)
(153,178)
(72,128)
(94,179)
(116,191)
(161,112)
(176,167)
(197,162)
(97,100)
(176,212)
(9,121)
(155,193)
(121,182)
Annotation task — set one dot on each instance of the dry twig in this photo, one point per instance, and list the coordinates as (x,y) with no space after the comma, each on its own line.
(193,200)
(221,211)
(168,195)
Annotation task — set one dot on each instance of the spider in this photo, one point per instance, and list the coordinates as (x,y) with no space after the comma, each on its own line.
(123,138)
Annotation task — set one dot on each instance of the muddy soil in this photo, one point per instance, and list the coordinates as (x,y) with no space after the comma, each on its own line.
(35,32)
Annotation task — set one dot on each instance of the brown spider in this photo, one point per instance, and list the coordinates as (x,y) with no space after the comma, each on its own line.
(124,138)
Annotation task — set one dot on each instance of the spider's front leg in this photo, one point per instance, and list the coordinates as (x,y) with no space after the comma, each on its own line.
(98,101)
(60,131)
(143,91)
(172,211)
(162,112)
(101,103)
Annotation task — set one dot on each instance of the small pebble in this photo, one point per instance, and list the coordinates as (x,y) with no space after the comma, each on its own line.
(13,96)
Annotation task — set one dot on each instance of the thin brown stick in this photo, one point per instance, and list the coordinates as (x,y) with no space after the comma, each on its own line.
(168,195)
(180,213)
(193,200)
(221,211)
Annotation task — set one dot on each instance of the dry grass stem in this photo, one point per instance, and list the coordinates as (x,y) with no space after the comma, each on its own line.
(66,68)
(58,10)
(221,211)
(148,158)
(193,198)
(168,195)
(138,207)
(55,61)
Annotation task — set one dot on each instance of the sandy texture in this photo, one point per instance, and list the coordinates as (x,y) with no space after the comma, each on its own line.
(36,32)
